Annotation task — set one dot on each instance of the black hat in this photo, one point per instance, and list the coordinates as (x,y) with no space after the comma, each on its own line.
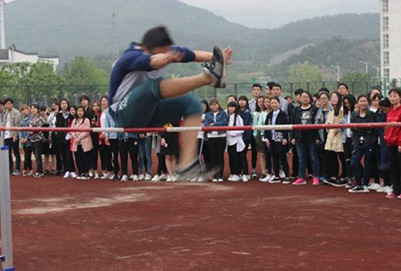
(157,37)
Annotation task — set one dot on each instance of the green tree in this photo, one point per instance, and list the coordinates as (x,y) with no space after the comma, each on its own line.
(83,71)
(302,73)
(358,82)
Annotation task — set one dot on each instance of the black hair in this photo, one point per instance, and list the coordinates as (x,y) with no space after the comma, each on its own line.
(257,86)
(84,97)
(270,84)
(236,112)
(299,91)
(214,100)
(205,102)
(55,102)
(377,96)
(68,103)
(276,85)
(385,102)
(157,37)
(343,84)
(316,95)
(323,90)
(244,98)
(337,107)
(83,117)
(323,93)
(286,97)
(35,106)
(310,96)
(76,108)
(232,95)
(396,90)
(370,92)
(352,101)
(275,98)
(104,97)
(42,108)
(8,99)
(257,108)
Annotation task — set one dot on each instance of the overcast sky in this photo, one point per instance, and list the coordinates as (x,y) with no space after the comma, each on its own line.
(253,13)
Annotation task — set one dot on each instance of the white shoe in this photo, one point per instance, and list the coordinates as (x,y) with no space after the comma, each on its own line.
(124,178)
(385,189)
(111,177)
(174,178)
(194,179)
(163,177)
(366,189)
(169,179)
(215,181)
(148,177)
(90,174)
(281,174)
(141,177)
(235,178)
(220,180)
(374,186)
(254,175)
(245,178)
(267,178)
(134,178)
(105,176)
(156,178)
(201,179)
(73,175)
(230,178)
(96,176)
(66,175)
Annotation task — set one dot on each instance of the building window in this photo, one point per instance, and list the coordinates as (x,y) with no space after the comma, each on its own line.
(386,41)
(385,23)
(386,58)
(387,73)
(385,6)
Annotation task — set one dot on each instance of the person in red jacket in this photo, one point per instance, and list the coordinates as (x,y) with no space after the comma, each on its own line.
(393,140)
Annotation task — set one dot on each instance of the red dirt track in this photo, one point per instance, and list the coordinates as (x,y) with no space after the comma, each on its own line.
(102,225)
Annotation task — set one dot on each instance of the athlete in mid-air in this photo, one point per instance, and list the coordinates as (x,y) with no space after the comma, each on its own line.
(141,97)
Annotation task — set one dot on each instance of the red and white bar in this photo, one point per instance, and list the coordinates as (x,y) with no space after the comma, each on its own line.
(288,127)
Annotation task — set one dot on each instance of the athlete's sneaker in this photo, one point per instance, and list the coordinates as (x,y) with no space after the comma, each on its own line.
(156,178)
(66,175)
(216,68)
(299,181)
(189,172)
(315,181)
(124,178)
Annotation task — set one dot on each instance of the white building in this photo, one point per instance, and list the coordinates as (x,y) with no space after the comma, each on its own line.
(12,55)
(390,39)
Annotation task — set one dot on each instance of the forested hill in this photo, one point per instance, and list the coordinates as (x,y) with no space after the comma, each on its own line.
(69,28)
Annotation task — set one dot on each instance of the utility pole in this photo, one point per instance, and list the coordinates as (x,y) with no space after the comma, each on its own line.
(2,28)
(338,72)
(377,72)
(366,66)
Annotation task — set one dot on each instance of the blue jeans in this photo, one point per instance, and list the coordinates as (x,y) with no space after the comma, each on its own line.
(145,107)
(304,149)
(145,151)
(356,167)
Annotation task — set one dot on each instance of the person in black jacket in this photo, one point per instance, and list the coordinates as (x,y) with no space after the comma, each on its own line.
(277,141)
(64,120)
(305,140)
(364,141)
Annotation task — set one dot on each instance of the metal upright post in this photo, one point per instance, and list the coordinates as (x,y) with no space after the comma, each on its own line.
(6,233)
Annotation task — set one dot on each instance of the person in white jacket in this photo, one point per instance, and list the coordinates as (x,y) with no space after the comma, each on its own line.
(235,143)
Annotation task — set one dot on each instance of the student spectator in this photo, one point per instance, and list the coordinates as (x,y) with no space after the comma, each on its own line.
(204,150)
(321,117)
(235,143)
(169,148)
(382,151)
(269,89)
(256,91)
(82,144)
(393,139)
(364,141)
(277,141)
(128,144)
(104,146)
(85,102)
(260,116)
(374,107)
(64,120)
(37,139)
(161,159)
(349,102)
(96,110)
(145,156)
(343,89)
(276,91)
(267,167)
(12,118)
(52,119)
(48,151)
(26,118)
(112,140)
(305,140)
(217,139)
(247,136)
(334,143)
